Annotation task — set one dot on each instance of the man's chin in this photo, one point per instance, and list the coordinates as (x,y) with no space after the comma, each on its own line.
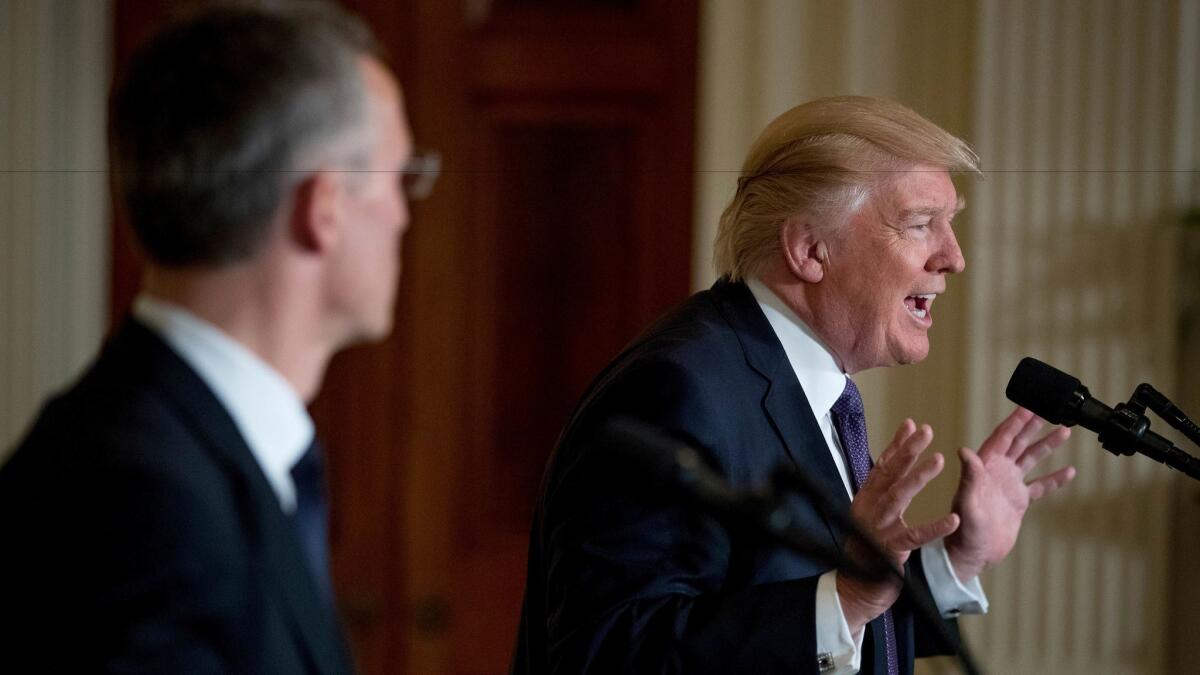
(379,332)
(911,353)
(368,334)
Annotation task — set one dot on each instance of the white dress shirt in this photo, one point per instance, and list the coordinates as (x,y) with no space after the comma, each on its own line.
(266,409)
(823,382)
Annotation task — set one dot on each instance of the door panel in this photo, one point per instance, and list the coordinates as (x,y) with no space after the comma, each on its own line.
(560,226)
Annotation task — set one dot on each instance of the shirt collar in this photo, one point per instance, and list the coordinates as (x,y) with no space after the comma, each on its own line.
(818,372)
(267,411)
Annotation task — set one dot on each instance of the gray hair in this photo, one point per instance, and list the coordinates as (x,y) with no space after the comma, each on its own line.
(224,112)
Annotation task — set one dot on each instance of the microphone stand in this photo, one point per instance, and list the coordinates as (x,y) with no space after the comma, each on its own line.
(1127,425)
(1146,396)
(664,462)
(778,525)
(766,513)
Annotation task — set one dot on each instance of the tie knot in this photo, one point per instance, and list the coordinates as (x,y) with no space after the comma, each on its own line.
(849,403)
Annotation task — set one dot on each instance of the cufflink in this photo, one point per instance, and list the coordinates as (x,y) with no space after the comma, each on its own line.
(825,662)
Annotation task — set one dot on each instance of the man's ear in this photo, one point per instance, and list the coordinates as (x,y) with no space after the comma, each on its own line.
(316,208)
(806,255)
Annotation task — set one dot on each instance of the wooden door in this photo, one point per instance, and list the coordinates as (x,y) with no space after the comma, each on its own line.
(560,226)
(567,227)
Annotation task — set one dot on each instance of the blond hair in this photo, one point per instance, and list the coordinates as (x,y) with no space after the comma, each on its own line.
(822,160)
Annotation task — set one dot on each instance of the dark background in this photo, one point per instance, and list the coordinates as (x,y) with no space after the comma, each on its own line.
(560,226)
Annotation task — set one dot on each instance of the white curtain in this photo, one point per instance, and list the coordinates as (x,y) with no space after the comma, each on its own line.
(1086,117)
(54,73)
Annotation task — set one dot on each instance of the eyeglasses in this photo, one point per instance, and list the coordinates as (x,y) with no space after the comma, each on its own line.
(421,173)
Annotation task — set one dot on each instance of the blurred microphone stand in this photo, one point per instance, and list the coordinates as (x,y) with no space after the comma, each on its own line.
(667,465)
(787,478)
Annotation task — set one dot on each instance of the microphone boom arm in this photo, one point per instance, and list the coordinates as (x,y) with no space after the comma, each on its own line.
(1126,427)
(665,462)
(789,477)
(1147,396)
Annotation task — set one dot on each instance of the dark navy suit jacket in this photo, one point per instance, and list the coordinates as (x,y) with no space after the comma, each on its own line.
(140,535)
(623,582)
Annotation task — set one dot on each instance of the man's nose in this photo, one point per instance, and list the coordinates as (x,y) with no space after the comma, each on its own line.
(949,257)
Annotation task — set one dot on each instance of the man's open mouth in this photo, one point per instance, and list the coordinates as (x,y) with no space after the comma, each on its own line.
(918,305)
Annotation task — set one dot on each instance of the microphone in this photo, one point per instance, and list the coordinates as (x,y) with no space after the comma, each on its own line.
(668,467)
(665,465)
(1060,398)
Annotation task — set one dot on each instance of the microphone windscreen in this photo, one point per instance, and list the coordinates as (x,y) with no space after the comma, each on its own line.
(1042,388)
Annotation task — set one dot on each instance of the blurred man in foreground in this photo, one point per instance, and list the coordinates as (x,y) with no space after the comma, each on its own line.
(167,513)
(832,252)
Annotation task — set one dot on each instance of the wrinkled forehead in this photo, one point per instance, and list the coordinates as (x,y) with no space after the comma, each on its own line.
(921,190)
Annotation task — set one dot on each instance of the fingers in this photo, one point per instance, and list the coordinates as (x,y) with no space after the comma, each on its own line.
(894,481)
(1014,438)
(1002,438)
(1038,451)
(901,493)
(899,475)
(1025,437)
(912,447)
(916,537)
(973,469)
(900,456)
(1043,486)
(906,429)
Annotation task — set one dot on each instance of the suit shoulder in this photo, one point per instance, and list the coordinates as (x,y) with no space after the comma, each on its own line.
(693,337)
(100,421)
(120,483)
(686,374)
(108,443)
(119,411)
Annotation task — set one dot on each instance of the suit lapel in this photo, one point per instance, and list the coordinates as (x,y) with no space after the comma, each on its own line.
(281,560)
(790,413)
(784,404)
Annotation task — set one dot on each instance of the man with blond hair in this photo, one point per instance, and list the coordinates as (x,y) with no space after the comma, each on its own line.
(167,514)
(831,254)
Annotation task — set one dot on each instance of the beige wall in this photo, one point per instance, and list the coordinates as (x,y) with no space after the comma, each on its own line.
(1086,110)
(761,57)
(53,208)
(1085,115)
(1103,93)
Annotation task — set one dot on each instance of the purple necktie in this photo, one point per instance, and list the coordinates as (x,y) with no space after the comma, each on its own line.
(851,426)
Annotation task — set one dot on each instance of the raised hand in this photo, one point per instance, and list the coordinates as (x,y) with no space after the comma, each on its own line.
(879,508)
(993,495)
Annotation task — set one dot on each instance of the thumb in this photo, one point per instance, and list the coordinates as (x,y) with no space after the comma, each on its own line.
(972,466)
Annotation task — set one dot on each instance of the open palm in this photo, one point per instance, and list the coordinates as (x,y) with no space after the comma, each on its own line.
(993,496)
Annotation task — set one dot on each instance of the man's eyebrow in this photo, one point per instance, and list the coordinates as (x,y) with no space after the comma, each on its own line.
(908,214)
(932,210)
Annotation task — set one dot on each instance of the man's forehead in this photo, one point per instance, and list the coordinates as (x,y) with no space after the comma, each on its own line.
(923,191)
(386,97)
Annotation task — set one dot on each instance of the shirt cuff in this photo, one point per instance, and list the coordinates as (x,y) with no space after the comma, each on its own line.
(838,651)
(951,596)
